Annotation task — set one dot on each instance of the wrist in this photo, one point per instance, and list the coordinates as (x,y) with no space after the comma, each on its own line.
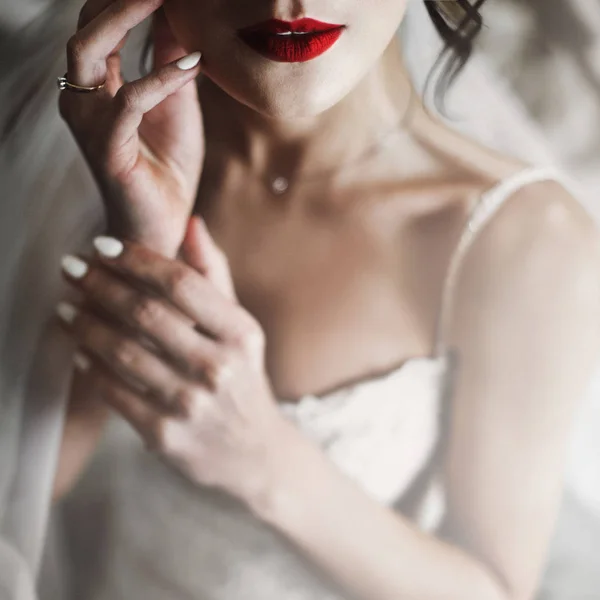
(292,466)
(158,239)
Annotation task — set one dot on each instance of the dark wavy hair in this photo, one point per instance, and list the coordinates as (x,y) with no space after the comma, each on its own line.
(457,21)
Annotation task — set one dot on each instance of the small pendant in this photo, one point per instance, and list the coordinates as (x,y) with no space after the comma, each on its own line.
(279,185)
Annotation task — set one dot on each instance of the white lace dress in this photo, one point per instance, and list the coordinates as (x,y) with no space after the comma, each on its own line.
(164,538)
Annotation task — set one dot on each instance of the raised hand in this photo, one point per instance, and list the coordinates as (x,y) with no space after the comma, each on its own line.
(143,140)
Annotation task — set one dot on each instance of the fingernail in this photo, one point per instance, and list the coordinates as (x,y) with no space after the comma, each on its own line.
(189,61)
(108,246)
(74,266)
(67,312)
(82,362)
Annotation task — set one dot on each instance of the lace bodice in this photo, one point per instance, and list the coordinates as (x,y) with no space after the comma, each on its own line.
(375,428)
(168,539)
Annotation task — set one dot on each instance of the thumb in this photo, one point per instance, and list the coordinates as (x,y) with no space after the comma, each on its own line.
(202,253)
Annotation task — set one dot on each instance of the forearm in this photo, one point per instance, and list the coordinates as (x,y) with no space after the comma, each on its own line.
(84,423)
(153,235)
(370,550)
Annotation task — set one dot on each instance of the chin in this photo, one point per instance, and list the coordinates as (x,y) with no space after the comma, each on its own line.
(286,101)
(283,92)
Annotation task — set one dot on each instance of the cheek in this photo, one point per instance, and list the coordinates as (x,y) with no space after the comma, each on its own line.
(186,19)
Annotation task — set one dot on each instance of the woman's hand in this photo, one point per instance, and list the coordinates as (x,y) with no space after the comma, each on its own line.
(175,354)
(143,140)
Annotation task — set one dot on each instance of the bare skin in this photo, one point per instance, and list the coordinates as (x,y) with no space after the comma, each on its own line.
(310,346)
(345,279)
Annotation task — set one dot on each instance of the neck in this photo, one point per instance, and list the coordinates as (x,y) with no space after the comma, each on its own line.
(293,148)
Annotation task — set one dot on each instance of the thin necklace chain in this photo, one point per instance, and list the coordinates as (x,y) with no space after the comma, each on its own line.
(279,184)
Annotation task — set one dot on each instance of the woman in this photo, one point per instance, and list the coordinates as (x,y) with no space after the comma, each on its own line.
(234,354)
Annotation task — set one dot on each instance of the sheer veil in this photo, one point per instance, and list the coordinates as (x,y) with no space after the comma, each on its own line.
(50,206)
(47,208)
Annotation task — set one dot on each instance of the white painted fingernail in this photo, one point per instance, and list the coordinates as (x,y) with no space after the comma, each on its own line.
(74,266)
(108,246)
(189,61)
(82,362)
(67,312)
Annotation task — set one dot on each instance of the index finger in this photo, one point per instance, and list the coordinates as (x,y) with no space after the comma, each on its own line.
(90,10)
(181,285)
(107,23)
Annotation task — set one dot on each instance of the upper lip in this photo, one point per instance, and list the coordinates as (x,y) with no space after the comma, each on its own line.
(274,26)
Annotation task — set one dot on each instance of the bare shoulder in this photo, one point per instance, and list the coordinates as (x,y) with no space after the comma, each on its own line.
(541,223)
(536,260)
(541,235)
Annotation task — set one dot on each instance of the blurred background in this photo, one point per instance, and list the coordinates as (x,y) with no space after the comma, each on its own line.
(549,53)
(543,54)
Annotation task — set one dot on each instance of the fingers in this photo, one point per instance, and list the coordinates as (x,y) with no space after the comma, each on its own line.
(162,433)
(139,413)
(170,331)
(123,356)
(155,118)
(180,285)
(88,49)
(125,113)
(90,10)
(135,99)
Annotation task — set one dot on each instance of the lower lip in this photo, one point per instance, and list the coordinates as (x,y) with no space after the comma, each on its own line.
(292,48)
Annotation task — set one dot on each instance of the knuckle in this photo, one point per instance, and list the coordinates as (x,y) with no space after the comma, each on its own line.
(163,78)
(144,311)
(76,46)
(198,365)
(250,334)
(254,339)
(183,401)
(178,282)
(127,99)
(169,438)
(218,373)
(123,352)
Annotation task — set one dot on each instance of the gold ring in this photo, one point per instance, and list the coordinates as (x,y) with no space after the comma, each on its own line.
(64,84)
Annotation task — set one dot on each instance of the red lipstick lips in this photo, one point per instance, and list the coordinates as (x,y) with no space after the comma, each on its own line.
(295,41)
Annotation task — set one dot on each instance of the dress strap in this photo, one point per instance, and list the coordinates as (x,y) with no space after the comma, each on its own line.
(483,209)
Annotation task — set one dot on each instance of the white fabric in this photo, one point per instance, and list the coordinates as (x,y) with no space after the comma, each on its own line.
(378,428)
(50,206)
(47,209)
(166,538)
